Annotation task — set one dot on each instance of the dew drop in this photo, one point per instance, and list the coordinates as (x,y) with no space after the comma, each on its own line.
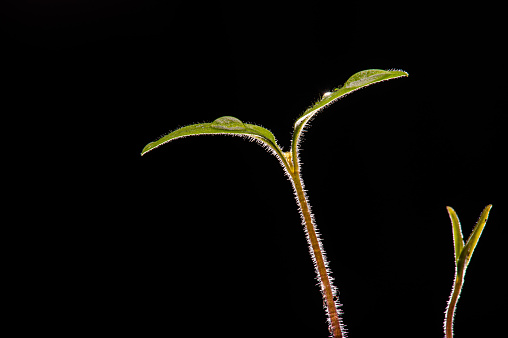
(363,78)
(325,95)
(228,123)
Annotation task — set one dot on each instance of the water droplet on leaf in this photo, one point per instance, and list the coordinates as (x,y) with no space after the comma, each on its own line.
(364,77)
(228,123)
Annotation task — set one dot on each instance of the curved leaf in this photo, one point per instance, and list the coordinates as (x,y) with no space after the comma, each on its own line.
(473,239)
(355,82)
(223,125)
(458,240)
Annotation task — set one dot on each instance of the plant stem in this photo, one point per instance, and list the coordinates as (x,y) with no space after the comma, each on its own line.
(318,256)
(452,303)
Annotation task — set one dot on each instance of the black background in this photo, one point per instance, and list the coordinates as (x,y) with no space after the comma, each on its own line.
(207,226)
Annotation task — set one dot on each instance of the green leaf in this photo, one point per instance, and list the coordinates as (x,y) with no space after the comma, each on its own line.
(225,125)
(472,241)
(359,80)
(458,240)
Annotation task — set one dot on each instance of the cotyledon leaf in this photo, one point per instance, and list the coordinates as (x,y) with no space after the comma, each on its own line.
(355,82)
(458,240)
(223,125)
(463,252)
(472,241)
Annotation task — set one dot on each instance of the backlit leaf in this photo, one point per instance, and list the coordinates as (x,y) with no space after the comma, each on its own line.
(225,125)
(355,82)
(472,241)
(458,240)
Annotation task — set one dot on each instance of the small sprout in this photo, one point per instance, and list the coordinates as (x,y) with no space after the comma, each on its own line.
(463,252)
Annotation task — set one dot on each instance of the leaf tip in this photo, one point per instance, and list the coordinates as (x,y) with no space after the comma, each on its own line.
(485,212)
(450,210)
(148,147)
(400,72)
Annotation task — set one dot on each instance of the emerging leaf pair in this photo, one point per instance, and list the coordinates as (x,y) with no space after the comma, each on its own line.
(463,252)
(230,125)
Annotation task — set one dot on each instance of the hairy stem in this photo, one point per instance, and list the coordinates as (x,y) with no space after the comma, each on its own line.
(318,256)
(452,303)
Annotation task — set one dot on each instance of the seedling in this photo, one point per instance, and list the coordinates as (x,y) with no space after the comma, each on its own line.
(228,125)
(463,253)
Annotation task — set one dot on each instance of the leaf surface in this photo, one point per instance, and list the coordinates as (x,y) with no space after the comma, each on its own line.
(473,239)
(223,125)
(458,240)
(359,80)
